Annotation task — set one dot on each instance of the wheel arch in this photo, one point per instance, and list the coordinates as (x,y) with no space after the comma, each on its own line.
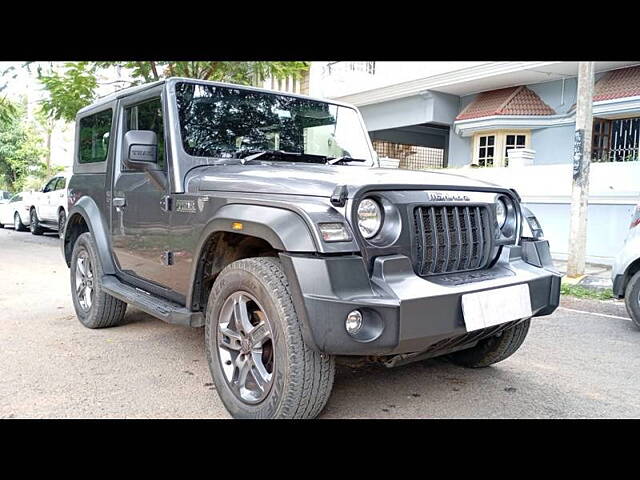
(630,271)
(85,216)
(240,231)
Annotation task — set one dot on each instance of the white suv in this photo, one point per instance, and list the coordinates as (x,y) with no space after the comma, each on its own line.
(626,270)
(49,206)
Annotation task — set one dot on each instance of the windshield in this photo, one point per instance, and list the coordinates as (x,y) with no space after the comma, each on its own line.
(221,121)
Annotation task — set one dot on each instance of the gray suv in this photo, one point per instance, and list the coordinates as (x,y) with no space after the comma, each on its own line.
(264,218)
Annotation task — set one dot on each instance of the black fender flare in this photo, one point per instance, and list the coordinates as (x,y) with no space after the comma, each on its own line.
(283,229)
(87,208)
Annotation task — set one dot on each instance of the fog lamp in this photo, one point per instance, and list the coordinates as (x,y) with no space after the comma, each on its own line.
(353,323)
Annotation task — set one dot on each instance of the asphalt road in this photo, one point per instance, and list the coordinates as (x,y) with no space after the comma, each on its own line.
(574,364)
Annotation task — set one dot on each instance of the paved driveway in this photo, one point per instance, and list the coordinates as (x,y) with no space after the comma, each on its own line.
(573,364)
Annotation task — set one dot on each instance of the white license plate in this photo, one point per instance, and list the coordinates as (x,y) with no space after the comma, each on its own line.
(493,307)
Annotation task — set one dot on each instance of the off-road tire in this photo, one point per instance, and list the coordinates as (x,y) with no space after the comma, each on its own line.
(18,226)
(632,298)
(302,378)
(34,224)
(62,218)
(493,349)
(105,311)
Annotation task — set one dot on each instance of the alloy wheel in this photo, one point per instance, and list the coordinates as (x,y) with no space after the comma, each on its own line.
(245,347)
(84,280)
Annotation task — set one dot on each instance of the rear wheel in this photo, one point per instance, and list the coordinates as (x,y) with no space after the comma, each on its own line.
(258,359)
(632,298)
(34,226)
(62,219)
(493,349)
(18,226)
(94,308)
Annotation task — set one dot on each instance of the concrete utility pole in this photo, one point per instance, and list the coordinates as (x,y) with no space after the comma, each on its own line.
(581,161)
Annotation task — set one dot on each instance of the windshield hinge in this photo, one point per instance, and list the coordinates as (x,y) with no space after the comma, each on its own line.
(167,258)
(165,203)
(339,196)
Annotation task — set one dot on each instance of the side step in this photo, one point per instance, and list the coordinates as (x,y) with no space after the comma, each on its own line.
(160,308)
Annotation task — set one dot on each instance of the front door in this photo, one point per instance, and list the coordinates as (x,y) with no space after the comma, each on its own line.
(44,202)
(139,223)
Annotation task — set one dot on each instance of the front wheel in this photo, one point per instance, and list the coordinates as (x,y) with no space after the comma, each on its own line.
(493,349)
(632,298)
(18,226)
(258,359)
(34,225)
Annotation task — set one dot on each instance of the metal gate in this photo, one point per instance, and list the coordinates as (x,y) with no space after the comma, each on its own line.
(412,157)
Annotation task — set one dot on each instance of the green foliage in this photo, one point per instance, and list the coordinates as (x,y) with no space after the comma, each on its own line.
(69,91)
(21,151)
(75,88)
(583,292)
(7,112)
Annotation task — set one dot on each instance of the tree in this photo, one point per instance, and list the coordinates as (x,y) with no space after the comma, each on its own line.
(75,87)
(20,151)
(68,91)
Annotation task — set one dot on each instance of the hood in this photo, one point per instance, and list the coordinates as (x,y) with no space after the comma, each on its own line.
(316,180)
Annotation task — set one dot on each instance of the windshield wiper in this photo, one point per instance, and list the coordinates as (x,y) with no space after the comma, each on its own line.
(346,158)
(255,154)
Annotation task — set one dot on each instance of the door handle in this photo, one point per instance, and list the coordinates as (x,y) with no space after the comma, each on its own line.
(119,202)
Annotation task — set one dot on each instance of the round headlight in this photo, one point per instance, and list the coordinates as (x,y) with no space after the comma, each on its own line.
(369,217)
(501,212)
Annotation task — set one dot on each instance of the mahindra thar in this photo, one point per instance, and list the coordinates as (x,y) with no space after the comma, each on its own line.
(264,218)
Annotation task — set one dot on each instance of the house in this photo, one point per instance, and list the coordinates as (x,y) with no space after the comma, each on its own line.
(516,120)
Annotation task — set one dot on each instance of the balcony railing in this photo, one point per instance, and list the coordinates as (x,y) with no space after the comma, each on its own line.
(339,68)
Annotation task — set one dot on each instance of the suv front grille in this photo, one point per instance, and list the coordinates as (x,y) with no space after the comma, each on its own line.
(451,239)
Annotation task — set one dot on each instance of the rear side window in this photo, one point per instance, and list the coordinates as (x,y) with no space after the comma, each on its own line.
(94,137)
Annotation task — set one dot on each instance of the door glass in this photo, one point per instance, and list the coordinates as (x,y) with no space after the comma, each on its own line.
(50,186)
(148,116)
(61,183)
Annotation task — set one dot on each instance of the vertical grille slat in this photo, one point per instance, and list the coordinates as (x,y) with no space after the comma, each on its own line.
(450,238)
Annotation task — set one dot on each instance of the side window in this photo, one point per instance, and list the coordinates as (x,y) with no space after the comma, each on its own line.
(62,183)
(148,116)
(94,137)
(16,198)
(51,185)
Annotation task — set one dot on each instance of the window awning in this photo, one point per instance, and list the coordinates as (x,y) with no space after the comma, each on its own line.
(621,83)
(506,101)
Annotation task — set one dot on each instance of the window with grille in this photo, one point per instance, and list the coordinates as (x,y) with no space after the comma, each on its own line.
(616,140)
(511,142)
(486,150)
(491,149)
(412,157)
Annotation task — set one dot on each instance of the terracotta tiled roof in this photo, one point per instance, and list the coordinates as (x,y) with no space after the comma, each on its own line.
(506,101)
(621,83)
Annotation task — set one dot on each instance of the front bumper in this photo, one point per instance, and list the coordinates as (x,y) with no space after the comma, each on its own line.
(409,313)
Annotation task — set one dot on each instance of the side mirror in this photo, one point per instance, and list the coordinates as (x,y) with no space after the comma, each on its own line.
(141,149)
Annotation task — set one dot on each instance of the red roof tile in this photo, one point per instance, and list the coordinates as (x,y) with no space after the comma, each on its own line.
(506,101)
(621,83)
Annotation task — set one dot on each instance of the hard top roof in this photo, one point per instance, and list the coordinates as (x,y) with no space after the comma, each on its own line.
(125,92)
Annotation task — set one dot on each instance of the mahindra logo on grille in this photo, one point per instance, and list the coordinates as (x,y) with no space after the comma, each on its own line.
(447,197)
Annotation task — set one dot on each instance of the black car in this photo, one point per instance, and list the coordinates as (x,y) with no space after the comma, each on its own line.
(264,217)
